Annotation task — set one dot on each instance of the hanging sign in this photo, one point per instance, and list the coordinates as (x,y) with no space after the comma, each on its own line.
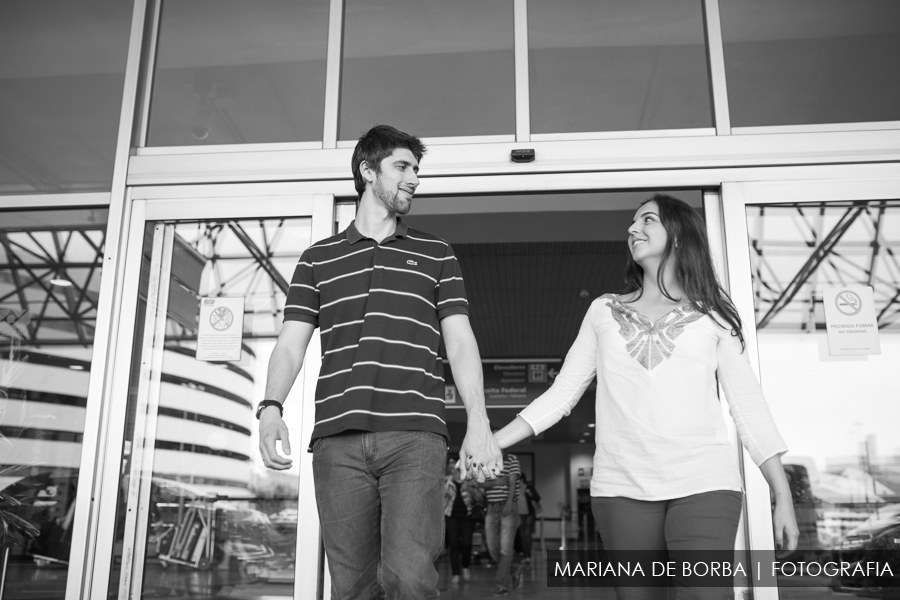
(221,329)
(850,321)
(510,383)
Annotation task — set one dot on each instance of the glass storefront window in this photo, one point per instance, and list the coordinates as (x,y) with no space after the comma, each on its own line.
(61,81)
(50,267)
(617,66)
(433,69)
(798,62)
(838,414)
(217,521)
(239,71)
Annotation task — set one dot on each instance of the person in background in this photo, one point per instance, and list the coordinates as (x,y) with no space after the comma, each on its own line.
(460,496)
(501,524)
(532,500)
(666,479)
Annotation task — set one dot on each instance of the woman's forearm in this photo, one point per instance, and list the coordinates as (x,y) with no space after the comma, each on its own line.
(784,521)
(773,471)
(515,432)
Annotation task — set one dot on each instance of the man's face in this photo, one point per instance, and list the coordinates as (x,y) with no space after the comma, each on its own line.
(397,181)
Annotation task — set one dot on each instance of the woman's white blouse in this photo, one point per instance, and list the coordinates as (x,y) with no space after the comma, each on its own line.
(660,432)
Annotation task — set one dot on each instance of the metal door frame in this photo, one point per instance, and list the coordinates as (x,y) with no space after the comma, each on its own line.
(735,198)
(203,202)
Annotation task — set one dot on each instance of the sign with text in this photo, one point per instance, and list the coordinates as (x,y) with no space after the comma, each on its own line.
(221,329)
(850,321)
(509,382)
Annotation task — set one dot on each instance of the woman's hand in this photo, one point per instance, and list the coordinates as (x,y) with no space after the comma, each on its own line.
(784,523)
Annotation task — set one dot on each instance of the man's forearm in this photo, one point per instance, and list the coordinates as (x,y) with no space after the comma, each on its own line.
(286,360)
(465,361)
(283,370)
(479,452)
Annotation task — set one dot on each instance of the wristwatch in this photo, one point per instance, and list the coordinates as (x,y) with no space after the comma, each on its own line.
(265,403)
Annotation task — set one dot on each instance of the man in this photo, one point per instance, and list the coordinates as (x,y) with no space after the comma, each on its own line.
(501,524)
(529,496)
(383,296)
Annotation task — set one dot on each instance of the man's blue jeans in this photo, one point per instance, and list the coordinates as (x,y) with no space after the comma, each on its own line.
(380,500)
(500,532)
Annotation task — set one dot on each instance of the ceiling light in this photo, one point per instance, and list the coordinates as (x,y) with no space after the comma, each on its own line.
(581,441)
(584,294)
(61,282)
(587,433)
(591,425)
(76,367)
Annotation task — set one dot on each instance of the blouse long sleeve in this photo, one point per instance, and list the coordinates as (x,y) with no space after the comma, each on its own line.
(578,370)
(748,407)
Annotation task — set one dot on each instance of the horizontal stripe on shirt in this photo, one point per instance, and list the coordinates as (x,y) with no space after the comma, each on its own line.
(379,306)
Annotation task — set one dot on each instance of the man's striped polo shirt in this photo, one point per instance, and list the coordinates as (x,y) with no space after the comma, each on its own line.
(378,307)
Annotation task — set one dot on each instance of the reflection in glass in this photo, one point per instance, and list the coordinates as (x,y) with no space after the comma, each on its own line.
(797,62)
(217,519)
(61,80)
(838,414)
(50,263)
(433,69)
(236,71)
(616,66)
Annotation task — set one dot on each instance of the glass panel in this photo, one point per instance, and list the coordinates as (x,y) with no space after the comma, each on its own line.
(838,414)
(796,62)
(432,69)
(239,71)
(217,520)
(61,81)
(50,263)
(617,65)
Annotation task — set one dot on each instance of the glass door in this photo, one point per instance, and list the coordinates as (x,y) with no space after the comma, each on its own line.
(794,251)
(197,513)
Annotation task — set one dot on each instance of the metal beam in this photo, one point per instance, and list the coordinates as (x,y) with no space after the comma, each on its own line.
(259,256)
(875,244)
(818,255)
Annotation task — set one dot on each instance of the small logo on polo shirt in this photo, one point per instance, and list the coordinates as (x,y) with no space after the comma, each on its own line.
(412,262)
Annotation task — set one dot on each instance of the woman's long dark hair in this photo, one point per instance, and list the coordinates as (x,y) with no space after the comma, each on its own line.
(694,270)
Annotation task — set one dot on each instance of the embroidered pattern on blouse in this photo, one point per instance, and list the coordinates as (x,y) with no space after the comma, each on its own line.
(646,342)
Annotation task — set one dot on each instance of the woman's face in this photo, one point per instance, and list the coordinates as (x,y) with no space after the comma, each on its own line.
(646,236)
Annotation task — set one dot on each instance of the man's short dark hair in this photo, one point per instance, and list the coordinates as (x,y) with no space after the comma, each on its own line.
(377,144)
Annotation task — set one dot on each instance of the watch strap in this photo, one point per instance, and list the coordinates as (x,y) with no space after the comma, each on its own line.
(266,403)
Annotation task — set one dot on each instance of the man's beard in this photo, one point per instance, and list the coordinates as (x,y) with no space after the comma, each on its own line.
(392,201)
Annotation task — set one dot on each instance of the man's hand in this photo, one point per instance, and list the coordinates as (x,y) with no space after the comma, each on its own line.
(480,456)
(272,428)
(284,365)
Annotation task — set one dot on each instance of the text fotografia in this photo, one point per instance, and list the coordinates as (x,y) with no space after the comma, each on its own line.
(583,568)
(831,569)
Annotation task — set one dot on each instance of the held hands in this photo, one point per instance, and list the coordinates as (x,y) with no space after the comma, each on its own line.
(479,455)
(272,428)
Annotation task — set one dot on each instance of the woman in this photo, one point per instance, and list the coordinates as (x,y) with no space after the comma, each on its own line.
(459,501)
(666,478)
